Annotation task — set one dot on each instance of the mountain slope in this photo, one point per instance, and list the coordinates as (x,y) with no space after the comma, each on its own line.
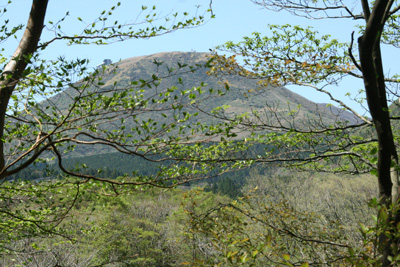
(177,72)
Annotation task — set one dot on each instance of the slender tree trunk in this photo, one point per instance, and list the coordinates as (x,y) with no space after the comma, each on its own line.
(14,69)
(372,69)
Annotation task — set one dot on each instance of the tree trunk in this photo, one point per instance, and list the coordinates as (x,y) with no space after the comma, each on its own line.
(373,75)
(14,69)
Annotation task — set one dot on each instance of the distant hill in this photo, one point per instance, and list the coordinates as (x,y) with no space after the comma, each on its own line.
(244,96)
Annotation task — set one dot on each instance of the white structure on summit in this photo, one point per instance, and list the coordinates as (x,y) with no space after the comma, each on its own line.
(105,63)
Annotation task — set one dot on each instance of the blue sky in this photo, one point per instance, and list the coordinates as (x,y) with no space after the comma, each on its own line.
(234,19)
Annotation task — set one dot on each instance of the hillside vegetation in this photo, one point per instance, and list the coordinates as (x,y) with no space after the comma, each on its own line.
(178,227)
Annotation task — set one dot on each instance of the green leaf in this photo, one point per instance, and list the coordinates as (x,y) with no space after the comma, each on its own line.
(286,256)
(254,254)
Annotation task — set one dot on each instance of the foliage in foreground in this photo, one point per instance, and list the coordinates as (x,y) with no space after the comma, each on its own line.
(30,131)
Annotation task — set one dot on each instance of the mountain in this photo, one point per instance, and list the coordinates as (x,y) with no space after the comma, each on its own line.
(184,71)
(149,80)
(244,94)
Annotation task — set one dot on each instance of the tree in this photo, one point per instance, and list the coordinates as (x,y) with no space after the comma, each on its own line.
(27,80)
(36,128)
(292,55)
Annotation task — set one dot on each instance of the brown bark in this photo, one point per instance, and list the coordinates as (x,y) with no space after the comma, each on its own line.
(14,69)
(373,75)
(371,65)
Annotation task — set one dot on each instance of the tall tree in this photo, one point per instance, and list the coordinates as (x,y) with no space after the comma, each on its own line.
(36,127)
(292,55)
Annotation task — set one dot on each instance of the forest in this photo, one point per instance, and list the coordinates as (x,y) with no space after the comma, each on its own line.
(199,159)
(196,227)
